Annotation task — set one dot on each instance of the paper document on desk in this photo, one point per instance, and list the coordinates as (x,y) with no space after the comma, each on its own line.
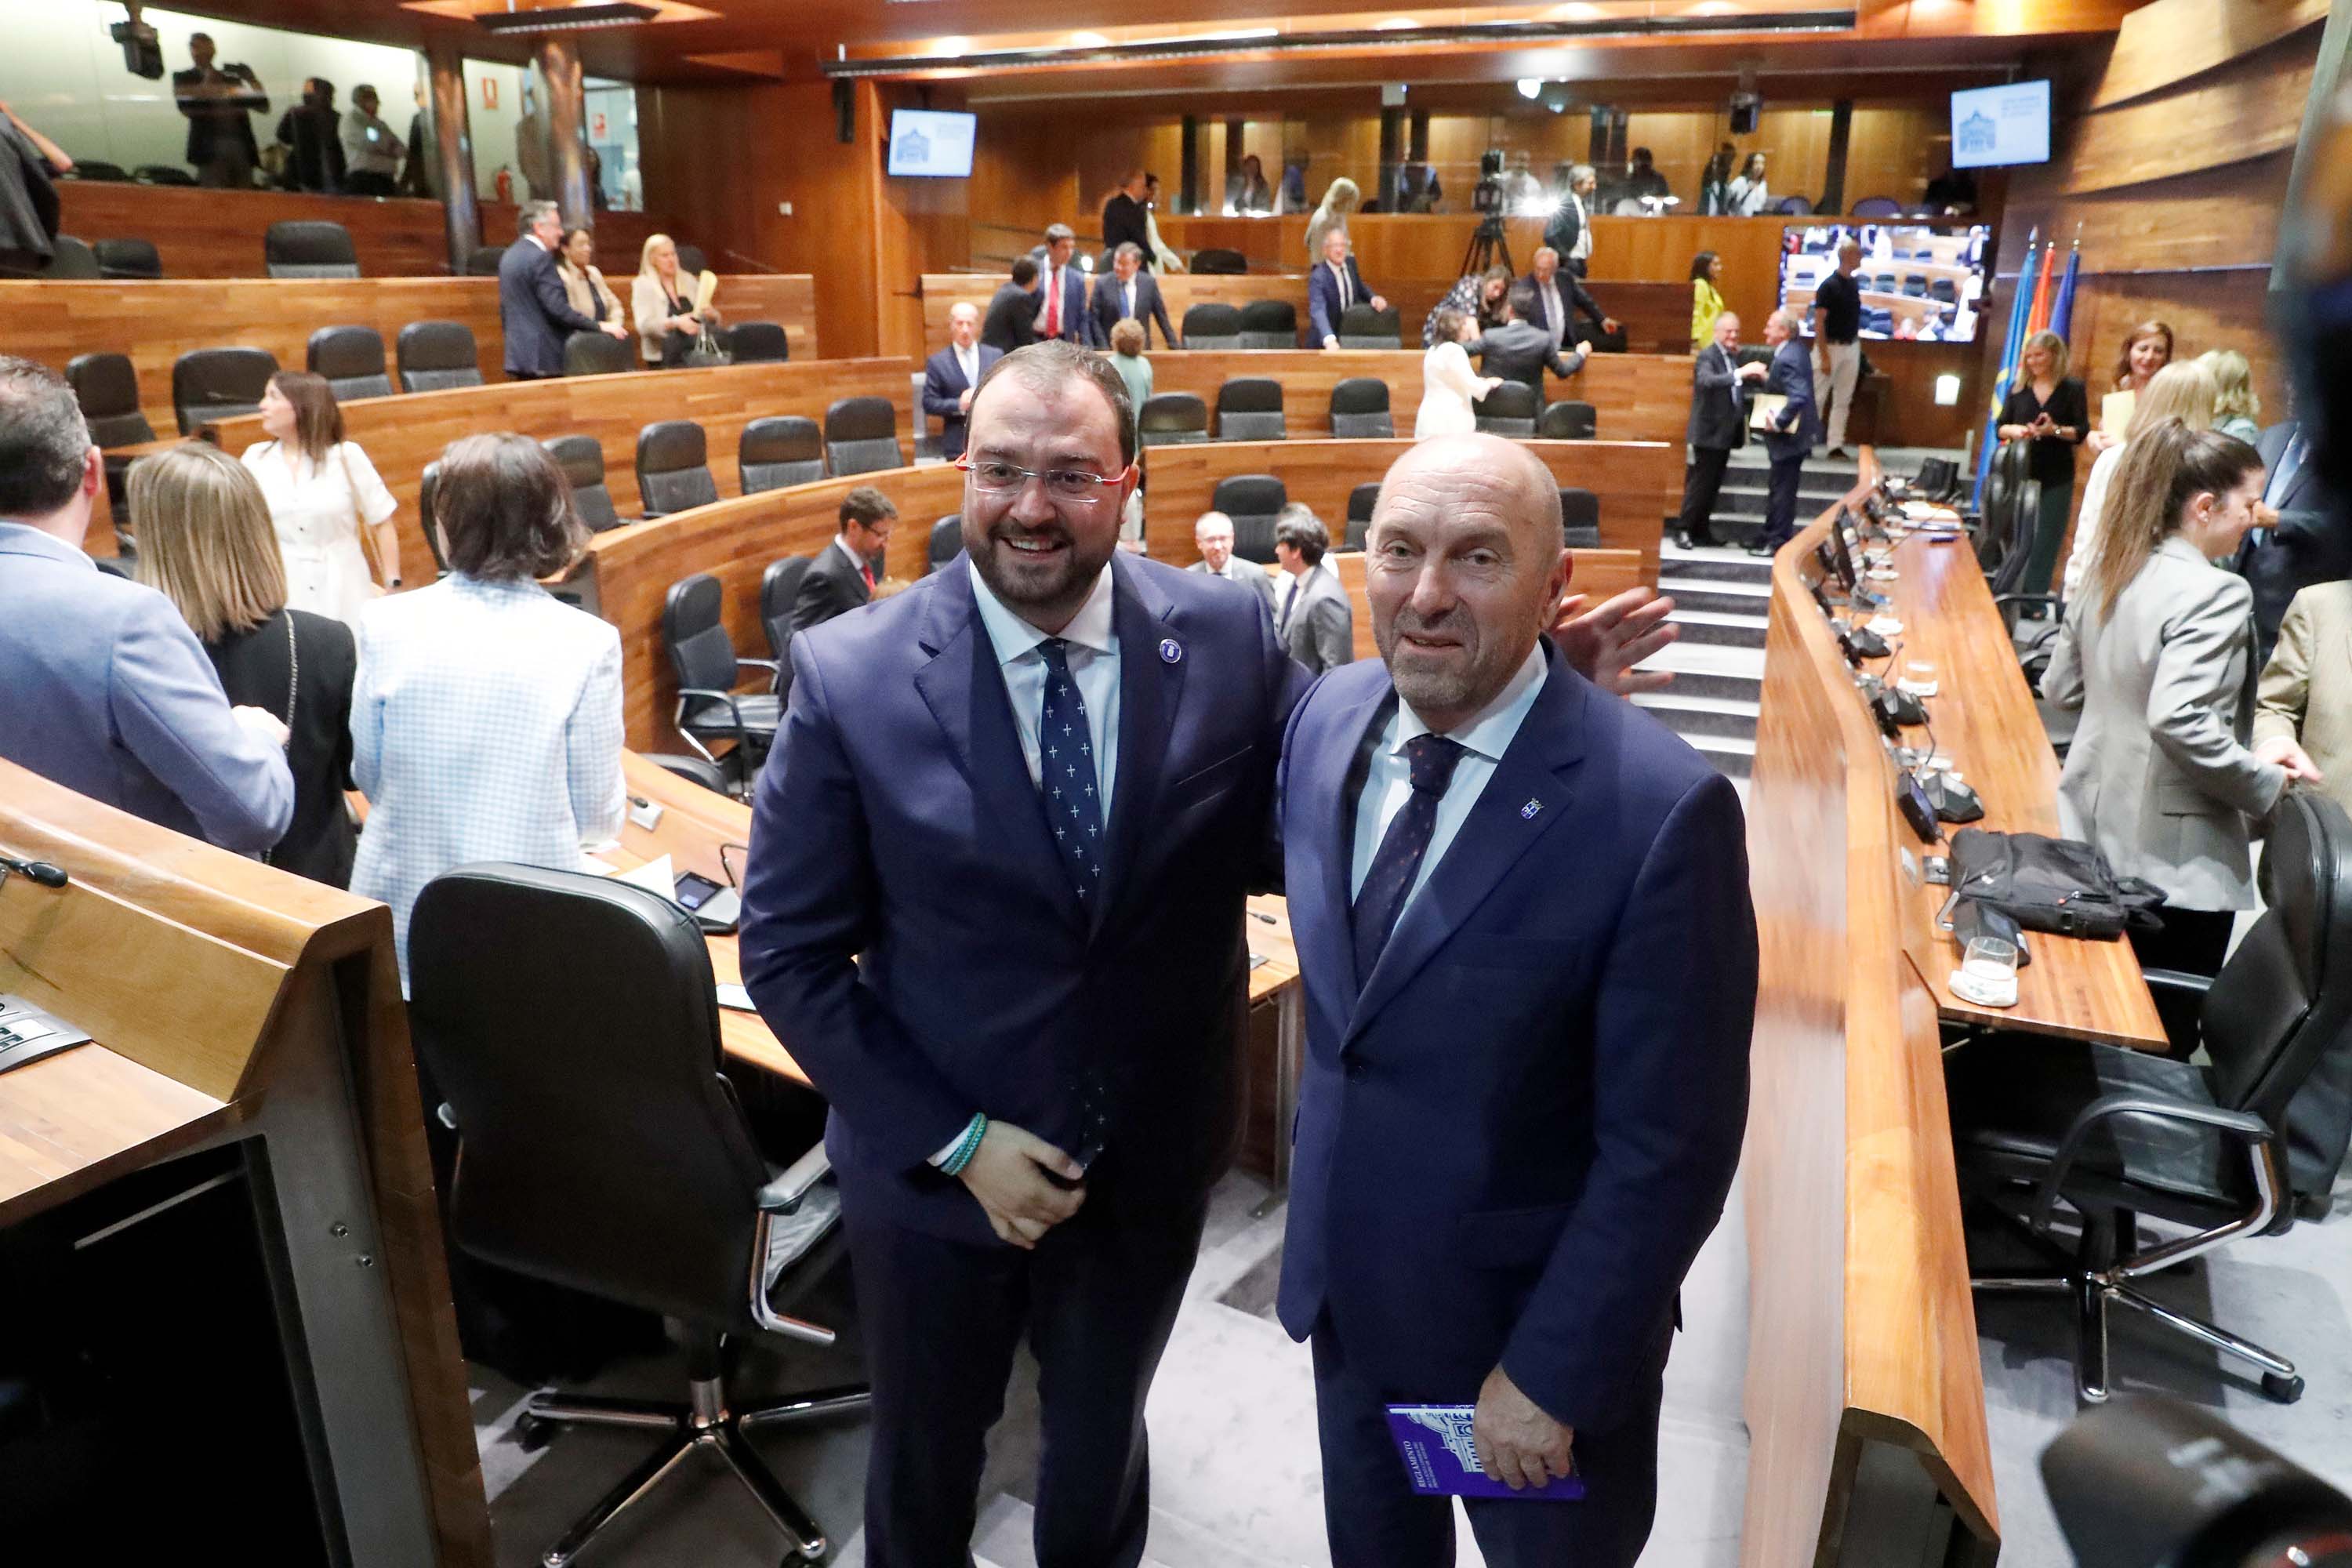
(655,877)
(1764,413)
(1442,1460)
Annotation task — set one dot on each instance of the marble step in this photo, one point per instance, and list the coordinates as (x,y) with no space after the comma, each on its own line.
(1703,565)
(1718,628)
(1733,757)
(1690,715)
(1745,597)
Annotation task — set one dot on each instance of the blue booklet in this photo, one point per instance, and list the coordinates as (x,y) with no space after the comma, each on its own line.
(1441,1459)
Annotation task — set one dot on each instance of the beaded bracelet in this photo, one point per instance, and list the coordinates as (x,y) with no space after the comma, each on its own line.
(965,1147)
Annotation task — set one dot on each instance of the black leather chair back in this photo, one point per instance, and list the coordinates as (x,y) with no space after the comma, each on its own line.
(1172,419)
(310,247)
(1359,410)
(1210,325)
(1249,408)
(1251,501)
(428,487)
(758,342)
(1580,519)
(100,170)
(693,770)
(352,359)
(107,387)
(2012,520)
(598,354)
(161,174)
(946,541)
(861,437)
(1509,410)
(701,654)
(691,260)
(673,470)
(219,384)
(780,450)
(1568,422)
(1361,327)
(483,260)
(1216,262)
(1269,324)
(74,262)
(436,355)
(1361,501)
(779,584)
(127,259)
(604,1148)
(581,458)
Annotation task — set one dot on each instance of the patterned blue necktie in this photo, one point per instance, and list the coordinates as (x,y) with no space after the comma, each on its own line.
(1066,755)
(1382,898)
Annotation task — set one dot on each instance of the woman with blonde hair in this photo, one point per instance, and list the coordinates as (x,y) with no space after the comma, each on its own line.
(2236,410)
(2047,409)
(583,284)
(323,493)
(2148,348)
(1340,197)
(662,299)
(2184,392)
(205,543)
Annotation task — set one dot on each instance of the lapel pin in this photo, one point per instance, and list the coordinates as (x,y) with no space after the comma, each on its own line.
(1528,811)
(1171,651)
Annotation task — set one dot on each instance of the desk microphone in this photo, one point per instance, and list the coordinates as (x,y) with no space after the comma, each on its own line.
(40,871)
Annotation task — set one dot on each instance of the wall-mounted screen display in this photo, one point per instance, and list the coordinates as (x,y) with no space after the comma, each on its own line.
(933,143)
(1993,126)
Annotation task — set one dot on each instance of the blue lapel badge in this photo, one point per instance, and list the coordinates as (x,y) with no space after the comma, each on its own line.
(1527,812)
(1171,651)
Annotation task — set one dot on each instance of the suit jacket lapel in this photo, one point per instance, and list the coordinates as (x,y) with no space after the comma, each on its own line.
(1151,685)
(964,689)
(1331,965)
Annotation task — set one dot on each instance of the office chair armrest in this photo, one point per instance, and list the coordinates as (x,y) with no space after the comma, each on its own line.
(2244,1125)
(767,664)
(734,709)
(783,1194)
(2177,981)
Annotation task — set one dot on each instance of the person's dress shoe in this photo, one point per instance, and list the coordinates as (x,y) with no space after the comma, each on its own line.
(1763,547)
(1839,453)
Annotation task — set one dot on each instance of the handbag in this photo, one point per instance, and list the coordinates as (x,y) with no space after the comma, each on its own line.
(704,351)
(369,548)
(2062,886)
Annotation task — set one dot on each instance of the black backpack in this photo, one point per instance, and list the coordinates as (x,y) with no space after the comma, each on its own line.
(2058,885)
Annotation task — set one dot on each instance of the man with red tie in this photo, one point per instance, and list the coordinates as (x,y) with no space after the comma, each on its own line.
(842,576)
(1061,293)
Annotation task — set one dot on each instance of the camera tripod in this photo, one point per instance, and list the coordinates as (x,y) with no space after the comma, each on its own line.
(1487,247)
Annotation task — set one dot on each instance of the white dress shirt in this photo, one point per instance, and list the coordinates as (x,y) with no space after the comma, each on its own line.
(1094,665)
(1388,783)
(968,361)
(1582,249)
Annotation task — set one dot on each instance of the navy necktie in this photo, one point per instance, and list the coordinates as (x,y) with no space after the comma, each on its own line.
(1431,759)
(2290,464)
(1066,754)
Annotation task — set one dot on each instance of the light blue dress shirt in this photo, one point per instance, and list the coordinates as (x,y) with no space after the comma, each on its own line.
(1388,783)
(1094,665)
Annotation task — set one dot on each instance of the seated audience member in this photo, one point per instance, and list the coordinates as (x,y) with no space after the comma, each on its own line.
(952,374)
(842,576)
(1314,620)
(1520,348)
(487,725)
(663,300)
(1131,294)
(1494,291)
(1012,319)
(1449,386)
(1747,195)
(205,543)
(584,285)
(1335,285)
(2237,411)
(1248,194)
(2303,712)
(1706,298)
(1557,292)
(2148,350)
(2182,391)
(1642,176)
(2303,536)
(1213,532)
(1476,297)
(103,689)
(1127,358)
(320,488)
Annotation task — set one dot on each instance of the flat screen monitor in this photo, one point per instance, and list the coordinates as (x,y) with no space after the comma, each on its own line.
(1996,126)
(1918,280)
(931,144)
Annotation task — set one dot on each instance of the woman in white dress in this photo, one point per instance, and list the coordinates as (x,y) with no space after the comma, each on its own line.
(319,487)
(1448,384)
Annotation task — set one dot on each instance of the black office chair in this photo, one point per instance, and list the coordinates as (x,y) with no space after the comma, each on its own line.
(1172,419)
(127,259)
(1359,410)
(161,174)
(1361,501)
(1580,519)
(1249,408)
(603,1149)
(436,355)
(758,342)
(1568,421)
(1876,206)
(352,359)
(703,656)
(1212,326)
(780,585)
(674,468)
(780,450)
(482,261)
(1792,206)
(691,260)
(98,171)
(1252,502)
(581,458)
(107,387)
(946,541)
(1361,327)
(861,437)
(1269,324)
(1216,262)
(597,354)
(219,384)
(2224,1150)
(693,770)
(1882,283)
(308,247)
(1509,409)
(428,488)
(72,262)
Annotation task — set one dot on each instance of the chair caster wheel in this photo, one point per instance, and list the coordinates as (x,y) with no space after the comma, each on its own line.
(2285,1390)
(531,1433)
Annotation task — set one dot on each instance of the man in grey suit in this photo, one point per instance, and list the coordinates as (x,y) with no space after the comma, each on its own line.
(1519,350)
(1718,424)
(1213,532)
(103,689)
(1314,621)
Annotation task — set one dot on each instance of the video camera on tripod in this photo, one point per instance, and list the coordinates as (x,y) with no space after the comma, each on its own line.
(1488,197)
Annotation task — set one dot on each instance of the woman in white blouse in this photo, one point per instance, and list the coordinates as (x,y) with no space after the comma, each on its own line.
(322,490)
(662,300)
(487,722)
(1448,384)
(1745,196)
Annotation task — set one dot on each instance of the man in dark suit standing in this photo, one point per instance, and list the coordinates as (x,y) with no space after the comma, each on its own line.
(1062,310)
(1131,293)
(1557,293)
(1333,286)
(1522,1102)
(1569,230)
(1028,1108)
(841,578)
(1012,319)
(1792,432)
(1123,220)
(1519,350)
(219,104)
(951,376)
(1312,614)
(1719,425)
(533,310)
(2310,542)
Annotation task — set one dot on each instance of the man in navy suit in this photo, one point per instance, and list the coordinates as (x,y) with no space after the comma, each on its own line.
(1792,434)
(1333,286)
(2309,543)
(1061,293)
(1523,1101)
(951,376)
(995,904)
(1131,292)
(533,310)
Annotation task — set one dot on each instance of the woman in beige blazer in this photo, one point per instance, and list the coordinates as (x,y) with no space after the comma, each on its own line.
(662,299)
(583,284)
(2304,716)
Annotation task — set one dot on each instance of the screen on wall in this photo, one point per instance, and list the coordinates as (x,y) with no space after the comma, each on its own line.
(931,144)
(1992,126)
(1917,281)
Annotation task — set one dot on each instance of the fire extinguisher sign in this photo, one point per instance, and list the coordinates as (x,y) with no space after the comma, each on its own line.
(490,92)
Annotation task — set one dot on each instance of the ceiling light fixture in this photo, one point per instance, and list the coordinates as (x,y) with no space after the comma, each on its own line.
(568,19)
(1530,88)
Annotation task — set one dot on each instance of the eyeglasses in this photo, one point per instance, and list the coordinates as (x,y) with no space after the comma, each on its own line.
(1076,486)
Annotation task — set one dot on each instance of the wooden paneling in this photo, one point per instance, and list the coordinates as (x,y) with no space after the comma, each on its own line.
(2243,109)
(401,435)
(2214,217)
(2169,41)
(156,323)
(1182,290)
(1638,482)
